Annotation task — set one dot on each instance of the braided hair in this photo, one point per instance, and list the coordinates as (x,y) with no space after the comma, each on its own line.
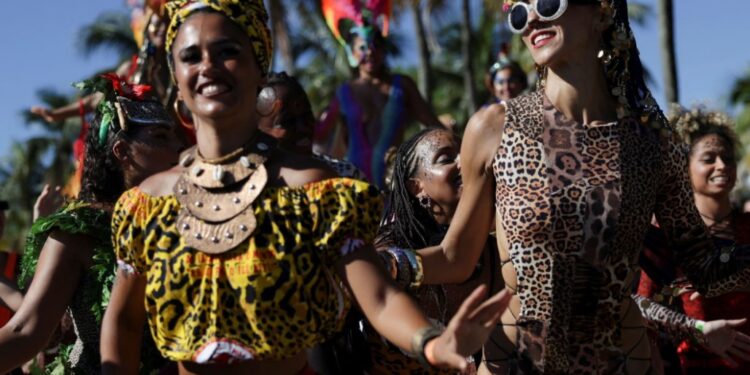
(103,180)
(405,222)
(625,66)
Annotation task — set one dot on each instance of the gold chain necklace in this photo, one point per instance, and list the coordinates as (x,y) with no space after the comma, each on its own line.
(230,156)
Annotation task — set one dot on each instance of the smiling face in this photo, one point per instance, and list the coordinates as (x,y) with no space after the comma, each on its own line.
(506,86)
(438,173)
(575,34)
(216,72)
(713,168)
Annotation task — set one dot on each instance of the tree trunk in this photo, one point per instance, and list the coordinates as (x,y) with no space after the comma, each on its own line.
(280,35)
(466,48)
(424,74)
(666,39)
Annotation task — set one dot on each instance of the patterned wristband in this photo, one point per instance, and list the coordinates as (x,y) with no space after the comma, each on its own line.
(403,276)
(388,260)
(417,272)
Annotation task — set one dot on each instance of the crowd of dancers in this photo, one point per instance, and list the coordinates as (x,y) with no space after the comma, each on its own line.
(221,227)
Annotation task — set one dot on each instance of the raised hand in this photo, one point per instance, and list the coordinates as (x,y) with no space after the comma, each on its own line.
(45,113)
(728,343)
(48,202)
(468,330)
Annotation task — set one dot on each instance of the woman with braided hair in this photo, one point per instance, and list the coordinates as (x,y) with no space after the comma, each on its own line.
(237,256)
(425,190)
(572,174)
(68,261)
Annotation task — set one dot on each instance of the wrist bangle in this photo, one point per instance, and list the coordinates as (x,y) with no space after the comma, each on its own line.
(419,341)
(417,272)
(700,327)
(387,259)
(403,275)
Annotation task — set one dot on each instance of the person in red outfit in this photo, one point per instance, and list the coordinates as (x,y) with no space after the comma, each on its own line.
(713,173)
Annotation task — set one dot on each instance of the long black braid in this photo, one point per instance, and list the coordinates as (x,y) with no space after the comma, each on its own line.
(405,222)
(625,71)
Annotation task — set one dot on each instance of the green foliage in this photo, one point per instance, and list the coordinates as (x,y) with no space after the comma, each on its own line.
(110,30)
(45,158)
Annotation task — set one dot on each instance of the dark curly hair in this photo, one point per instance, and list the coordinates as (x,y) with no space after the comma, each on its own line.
(405,222)
(695,123)
(102,180)
(295,96)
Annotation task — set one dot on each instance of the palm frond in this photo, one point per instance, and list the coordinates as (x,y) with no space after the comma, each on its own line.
(110,30)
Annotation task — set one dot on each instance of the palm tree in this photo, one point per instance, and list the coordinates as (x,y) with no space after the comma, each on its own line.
(46,158)
(740,96)
(466,56)
(110,30)
(281,34)
(666,37)
(424,73)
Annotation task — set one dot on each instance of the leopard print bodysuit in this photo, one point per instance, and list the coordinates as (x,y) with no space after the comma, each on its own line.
(574,202)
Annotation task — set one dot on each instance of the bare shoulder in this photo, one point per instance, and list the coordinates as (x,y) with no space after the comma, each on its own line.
(488,119)
(161,184)
(287,169)
(484,132)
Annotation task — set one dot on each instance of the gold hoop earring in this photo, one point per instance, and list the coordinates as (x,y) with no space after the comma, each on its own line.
(183,114)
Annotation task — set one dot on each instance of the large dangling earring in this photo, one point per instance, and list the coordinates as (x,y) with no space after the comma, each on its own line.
(426,202)
(266,98)
(541,76)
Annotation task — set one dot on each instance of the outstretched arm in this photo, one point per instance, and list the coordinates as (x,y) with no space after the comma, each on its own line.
(89,103)
(10,296)
(122,327)
(396,316)
(719,336)
(454,259)
(60,266)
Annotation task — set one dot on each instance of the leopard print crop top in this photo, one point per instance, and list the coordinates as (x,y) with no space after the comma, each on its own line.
(269,298)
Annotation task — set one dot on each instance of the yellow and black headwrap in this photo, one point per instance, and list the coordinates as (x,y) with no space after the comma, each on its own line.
(249,15)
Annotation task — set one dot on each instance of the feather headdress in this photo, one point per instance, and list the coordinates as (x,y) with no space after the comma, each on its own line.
(347,18)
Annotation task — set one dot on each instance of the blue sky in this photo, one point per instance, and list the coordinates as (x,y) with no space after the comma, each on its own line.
(40,51)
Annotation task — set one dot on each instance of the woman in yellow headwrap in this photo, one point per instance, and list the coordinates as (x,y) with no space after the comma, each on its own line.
(239,252)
